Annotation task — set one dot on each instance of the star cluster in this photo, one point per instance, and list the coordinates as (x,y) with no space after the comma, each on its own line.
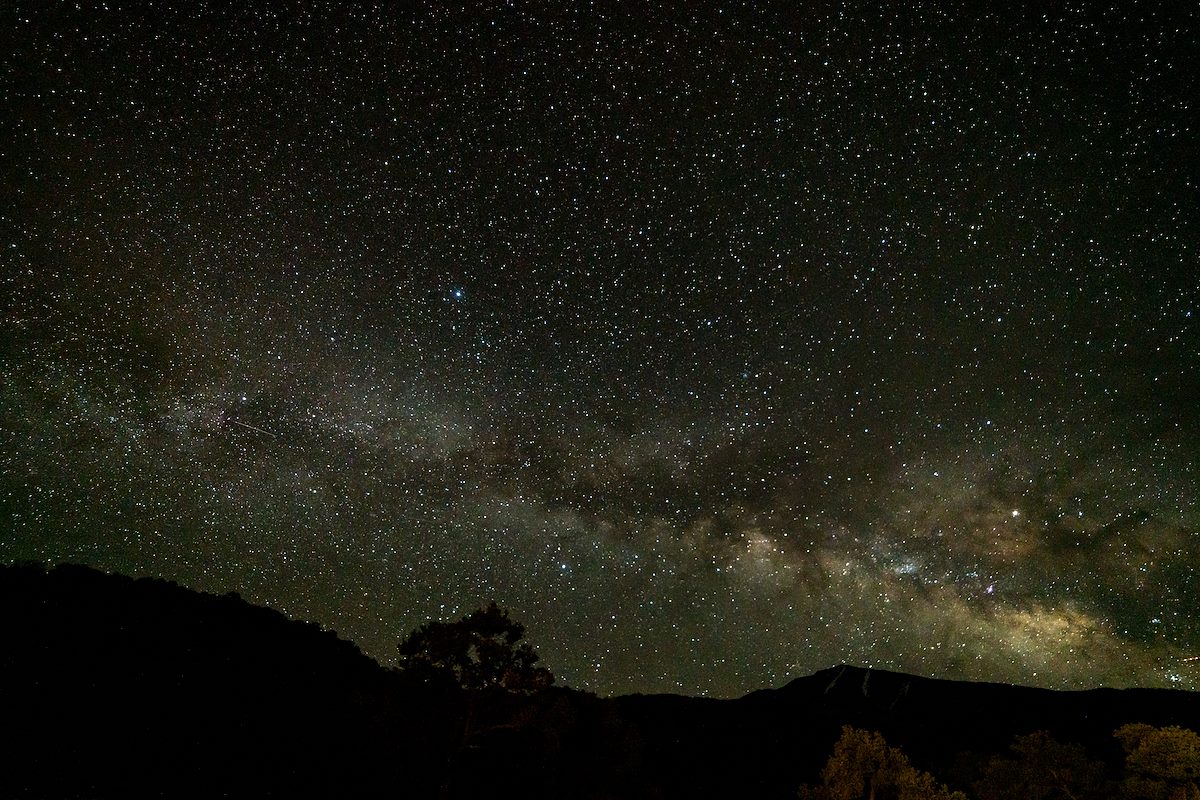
(719,343)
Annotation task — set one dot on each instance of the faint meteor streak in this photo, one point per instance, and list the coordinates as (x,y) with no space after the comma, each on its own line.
(252,428)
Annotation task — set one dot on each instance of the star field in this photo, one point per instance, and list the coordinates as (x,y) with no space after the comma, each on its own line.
(720,343)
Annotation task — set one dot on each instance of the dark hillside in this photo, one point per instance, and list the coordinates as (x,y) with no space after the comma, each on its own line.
(113,686)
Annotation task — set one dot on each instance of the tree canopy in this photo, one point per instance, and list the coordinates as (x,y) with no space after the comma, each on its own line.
(1161,763)
(864,766)
(1042,768)
(483,650)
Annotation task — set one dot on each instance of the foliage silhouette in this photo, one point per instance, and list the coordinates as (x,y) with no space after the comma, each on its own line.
(1042,768)
(864,766)
(1160,763)
(481,651)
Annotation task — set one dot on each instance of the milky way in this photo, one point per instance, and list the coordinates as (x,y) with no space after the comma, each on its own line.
(720,345)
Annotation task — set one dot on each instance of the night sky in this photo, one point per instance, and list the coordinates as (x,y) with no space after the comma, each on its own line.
(720,344)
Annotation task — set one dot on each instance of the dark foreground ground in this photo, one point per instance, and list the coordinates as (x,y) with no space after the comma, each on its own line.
(116,688)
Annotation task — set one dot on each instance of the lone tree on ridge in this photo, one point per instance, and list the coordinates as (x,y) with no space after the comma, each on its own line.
(483,650)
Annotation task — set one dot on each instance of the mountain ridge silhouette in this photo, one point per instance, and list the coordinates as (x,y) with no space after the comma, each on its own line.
(116,687)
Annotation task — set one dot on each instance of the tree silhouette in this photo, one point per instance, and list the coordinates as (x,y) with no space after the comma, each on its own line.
(864,767)
(483,650)
(1160,763)
(1043,768)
